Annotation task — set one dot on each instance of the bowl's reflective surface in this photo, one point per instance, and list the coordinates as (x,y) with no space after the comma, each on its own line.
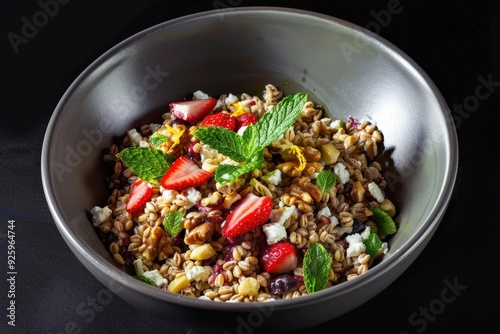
(349,71)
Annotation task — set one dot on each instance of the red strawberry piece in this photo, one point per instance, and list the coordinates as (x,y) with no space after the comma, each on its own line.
(250,212)
(244,120)
(139,195)
(279,258)
(192,110)
(221,119)
(184,173)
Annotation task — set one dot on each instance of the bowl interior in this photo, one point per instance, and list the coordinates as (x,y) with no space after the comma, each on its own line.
(344,68)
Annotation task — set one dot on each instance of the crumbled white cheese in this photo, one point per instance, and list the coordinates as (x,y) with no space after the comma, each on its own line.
(156,277)
(168,195)
(143,143)
(356,245)
(100,215)
(327,213)
(192,195)
(324,212)
(336,124)
(376,192)
(281,214)
(218,105)
(341,172)
(134,136)
(366,232)
(206,152)
(274,232)
(384,248)
(230,99)
(273,177)
(199,273)
(199,95)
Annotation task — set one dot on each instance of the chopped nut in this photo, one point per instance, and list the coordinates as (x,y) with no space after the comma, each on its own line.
(199,234)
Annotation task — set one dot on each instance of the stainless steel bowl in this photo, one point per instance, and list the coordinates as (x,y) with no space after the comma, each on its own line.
(349,70)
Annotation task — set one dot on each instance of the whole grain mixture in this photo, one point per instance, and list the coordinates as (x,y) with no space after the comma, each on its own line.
(246,198)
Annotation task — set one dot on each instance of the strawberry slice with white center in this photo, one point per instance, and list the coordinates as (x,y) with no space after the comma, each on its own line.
(140,194)
(192,110)
(279,258)
(184,173)
(250,212)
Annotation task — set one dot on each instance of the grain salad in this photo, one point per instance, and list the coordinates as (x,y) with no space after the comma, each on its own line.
(246,198)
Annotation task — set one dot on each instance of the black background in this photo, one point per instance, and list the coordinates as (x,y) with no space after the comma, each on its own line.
(455,42)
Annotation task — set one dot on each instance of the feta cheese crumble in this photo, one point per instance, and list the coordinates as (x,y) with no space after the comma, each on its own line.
(376,192)
(341,172)
(274,232)
(100,215)
(192,195)
(199,273)
(135,137)
(156,277)
(356,245)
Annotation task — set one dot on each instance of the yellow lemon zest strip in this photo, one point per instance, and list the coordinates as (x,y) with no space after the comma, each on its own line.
(240,109)
(302,160)
(176,135)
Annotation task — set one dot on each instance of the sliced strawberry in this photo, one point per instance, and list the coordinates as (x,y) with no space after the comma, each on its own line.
(244,120)
(184,173)
(250,212)
(192,110)
(220,119)
(139,195)
(279,258)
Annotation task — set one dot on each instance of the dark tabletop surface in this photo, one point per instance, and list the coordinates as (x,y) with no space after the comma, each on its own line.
(456,42)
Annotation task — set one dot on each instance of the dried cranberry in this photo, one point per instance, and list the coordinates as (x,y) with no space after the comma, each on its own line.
(358,225)
(283,284)
(229,255)
(192,154)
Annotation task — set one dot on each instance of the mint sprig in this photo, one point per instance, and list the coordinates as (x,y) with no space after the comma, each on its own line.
(157,139)
(326,180)
(373,244)
(172,223)
(316,267)
(384,222)
(249,146)
(148,164)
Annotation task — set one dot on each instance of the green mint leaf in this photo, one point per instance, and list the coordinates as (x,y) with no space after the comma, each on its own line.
(157,139)
(250,145)
(316,267)
(326,180)
(146,280)
(225,141)
(148,164)
(277,120)
(172,223)
(373,244)
(384,222)
(229,173)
